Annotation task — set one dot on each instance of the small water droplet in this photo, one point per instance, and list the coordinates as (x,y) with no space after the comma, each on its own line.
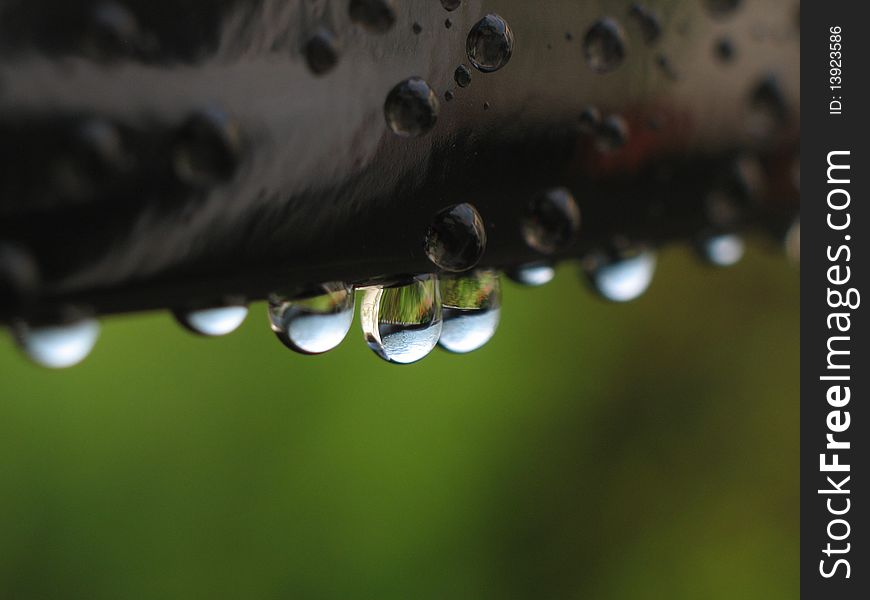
(612,134)
(213,322)
(451,4)
(321,52)
(648,21)
(486,106)
(316,323)
(448,95)
(590,120)
(456,238)
(416,28)
(551,221)
(724,50)
(569,36)
(721,8)
(620,276)
(448,23)
(471,310)
(793,242)
(604,45)
(667,67)
(768,104)
(207,149)
(57,346)
(721,250)
(533,274)
(462,76)
(402,323)
(411,108)
(490,44)
(19,277)
(378,16)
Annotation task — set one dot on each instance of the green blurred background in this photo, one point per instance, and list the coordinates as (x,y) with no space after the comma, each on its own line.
(590,450)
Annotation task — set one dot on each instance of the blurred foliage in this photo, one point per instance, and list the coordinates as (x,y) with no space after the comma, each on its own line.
(589,451)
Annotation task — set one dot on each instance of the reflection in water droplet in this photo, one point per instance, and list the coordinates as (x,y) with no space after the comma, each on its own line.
(551,221)
(207,149)
(490,44)
(213,322)
(590,120)
(462,76)
(620,276)
(313,324)
(724,50)
(402,323)
(472,307)
(612,134)
(721,250)
(378,16)
(721,8)
(456,238)
(57,346)
(411,108)
(321,52)
(604,45)
(793,242)
(451,4)
(533,275)
(648,21)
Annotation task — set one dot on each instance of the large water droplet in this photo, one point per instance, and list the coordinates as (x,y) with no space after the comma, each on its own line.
(411,108)
(451,4)
(721,250)
(378,16)
(316,323)
(462,76)
(490,44)
(604,45)
(321,52)
(533,274)
(456,238)
(57,346)
(207,149)
(612,134)
(620,276)
(551,221)
(402,323)
(721,8)
(213,322)
(472,307)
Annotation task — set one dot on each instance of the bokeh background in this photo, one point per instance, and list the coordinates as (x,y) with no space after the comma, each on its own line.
(591,450)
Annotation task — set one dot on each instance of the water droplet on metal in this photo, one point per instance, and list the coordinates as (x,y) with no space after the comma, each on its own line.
(321,52)
(486,106)
(721,250)
(604,45)
(490,44)
(471,310)
(213,322)
(378,16)
(416,28)
(462,76)
(315,323)
(533,274)
(57,346)
(207,149)
(620,276)
(411,108)
(612,134)
(402,323)
(551,221)
(456,238)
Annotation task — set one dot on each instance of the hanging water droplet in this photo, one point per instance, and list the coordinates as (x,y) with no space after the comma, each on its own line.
(378,16)
(721,8)
(590,120)
(724,50)
(462,76)
(721,250)
(533,274)
(207,149)
(647,21)
(456,239)
(604,45)
(551,221)
(620,276)
(57,346)
(213,322)
(321,52)
(451,4)
(490,44)
(402,323)
(411,108)
(793,242)
(472,307)
(316,323)
(612,134)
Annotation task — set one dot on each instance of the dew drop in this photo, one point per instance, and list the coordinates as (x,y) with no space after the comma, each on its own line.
(451,5)
(378,16)
(207,149)
(456,239)
(604,45)
(620,276)
(411,108)
(721,8)
(471,310)
(321,52)
(316,323)
(402,323)
(612,134)
(462,76)
(590,120)
(721,250)
(532,274)
(57,346)
(213,322)
(490,44)
(551,221)
(648,21)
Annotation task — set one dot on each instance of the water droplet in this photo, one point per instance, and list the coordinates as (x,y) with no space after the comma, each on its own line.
(721,8)
(316,323)
(612,134)
(724,50)
(402,323)
(551,221)
(569,36)
(721,250)
(620,276)
(486,106)
(448,23)
(378,16)
(321,52)
(590,120)
(456,238)
(207,149)
(533,274)
(490,44)
(448,95)
(451,4)
(462,76)
(411,108)
(648,21)
(793,242)
(19,277)
(57,346)
(213,322)
(604,45)
(416,28)
(472,307)
(768,104)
